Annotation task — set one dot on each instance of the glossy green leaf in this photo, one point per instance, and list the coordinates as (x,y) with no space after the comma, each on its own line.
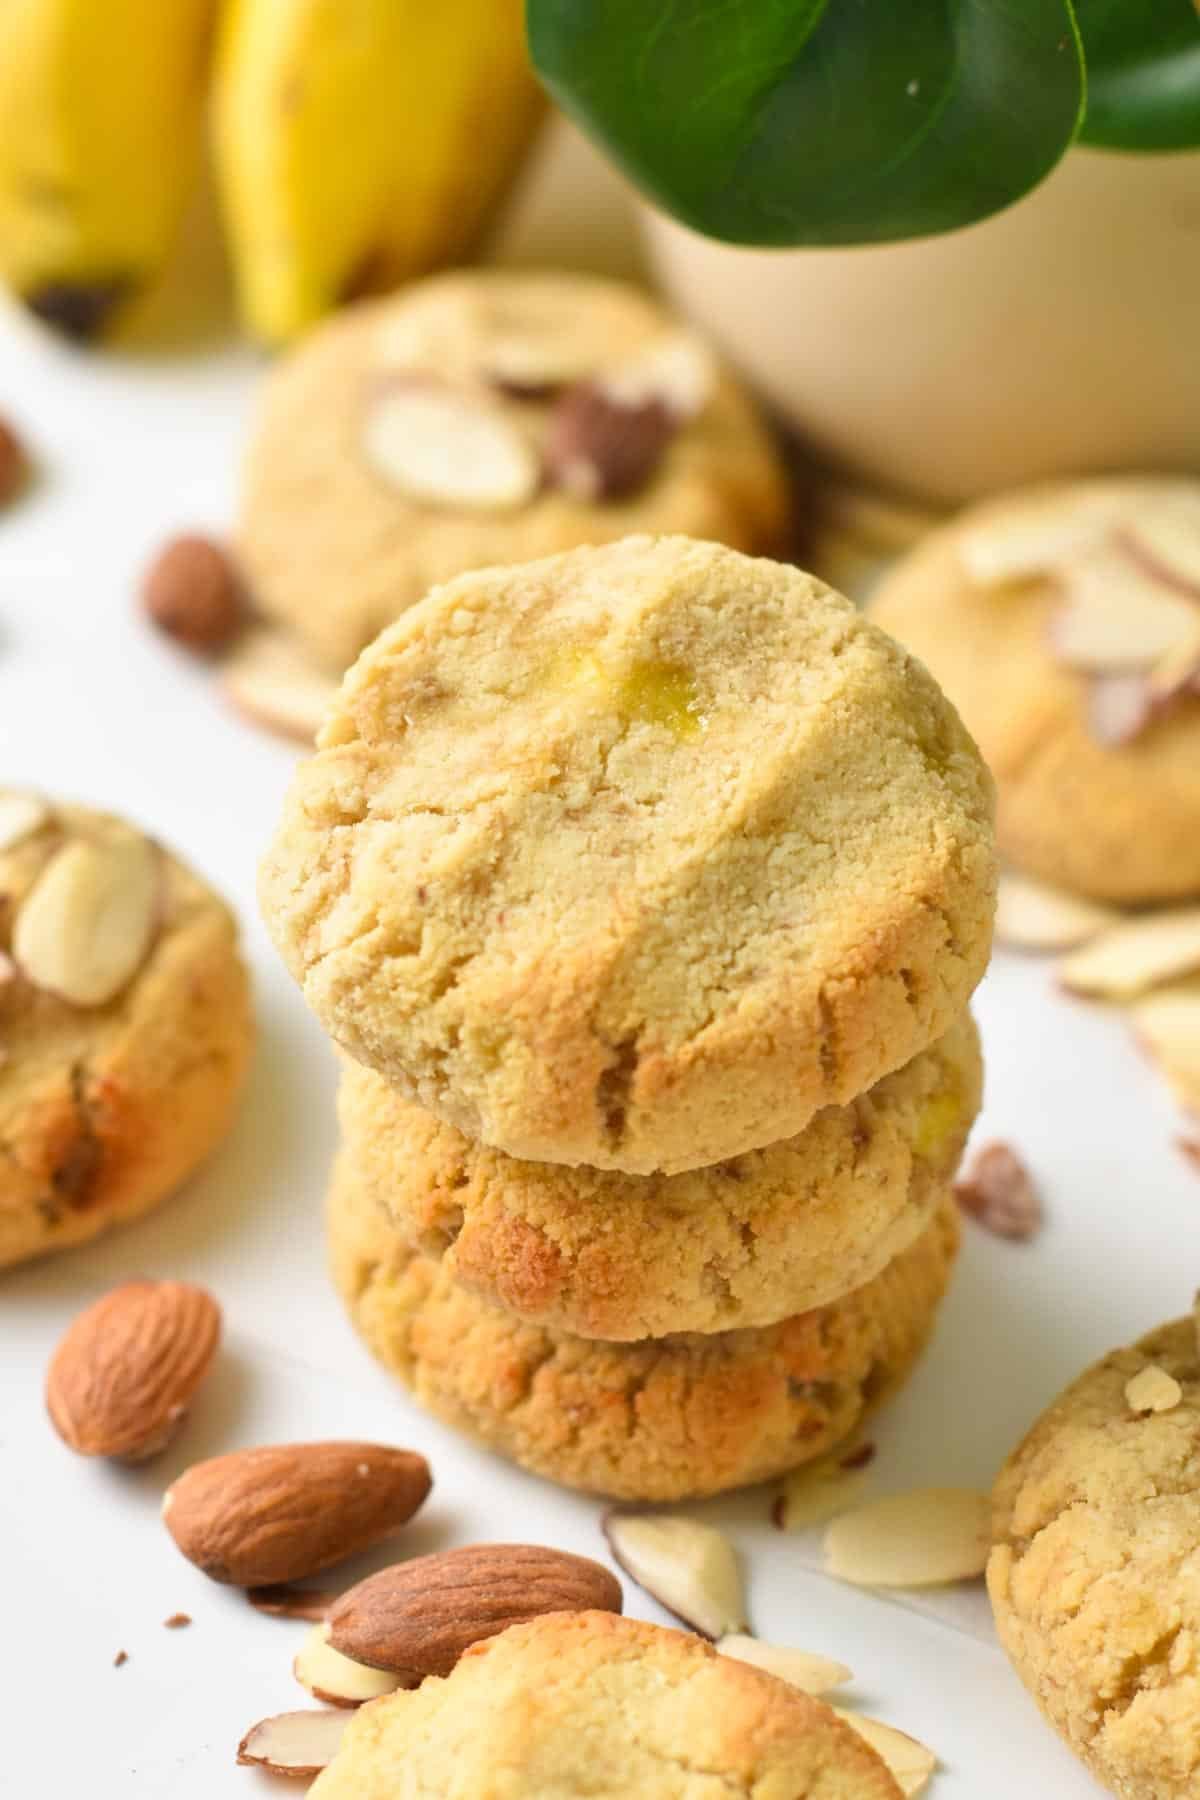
(1143,73)
(784,122)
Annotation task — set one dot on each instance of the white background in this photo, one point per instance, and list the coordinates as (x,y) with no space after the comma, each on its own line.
(93,705)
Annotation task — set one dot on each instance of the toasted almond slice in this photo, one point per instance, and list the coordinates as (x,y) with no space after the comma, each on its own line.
(689,1568)
(1152,1390)
(820,1490)
(1030,915)
(336,1679)
(21,814)
(1168,1024)
(446,447)
(296,1744)
(677,370)
(815,1674)
(1135,956)
(1024,549)
(271,680)
(920,1539)
(86,926)
(1117,617)
(908,1759)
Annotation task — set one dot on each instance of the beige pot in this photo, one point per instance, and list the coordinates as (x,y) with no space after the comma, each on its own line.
(1062,335)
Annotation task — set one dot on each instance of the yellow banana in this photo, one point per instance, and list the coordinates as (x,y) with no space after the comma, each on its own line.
(100,112)
(360,142)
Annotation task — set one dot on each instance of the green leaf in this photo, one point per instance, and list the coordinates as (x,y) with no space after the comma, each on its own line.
(783,122)
(1143,63)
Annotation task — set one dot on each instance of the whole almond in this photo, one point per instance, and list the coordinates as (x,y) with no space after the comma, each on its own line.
(124,1375)
(14,463)
(258,1517)
(418,1617)
(192,592)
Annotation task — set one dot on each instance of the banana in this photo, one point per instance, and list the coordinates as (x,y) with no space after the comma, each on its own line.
(361,142)
(100,122)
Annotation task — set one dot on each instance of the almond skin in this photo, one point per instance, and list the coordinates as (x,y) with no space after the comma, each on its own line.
(258,1517)
(417,1618)
(124,1375)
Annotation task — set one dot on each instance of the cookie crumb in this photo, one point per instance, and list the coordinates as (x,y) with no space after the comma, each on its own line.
(177,1621)
(997,1191)
(120,1659)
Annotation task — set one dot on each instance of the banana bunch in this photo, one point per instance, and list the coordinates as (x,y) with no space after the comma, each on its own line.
(357,143)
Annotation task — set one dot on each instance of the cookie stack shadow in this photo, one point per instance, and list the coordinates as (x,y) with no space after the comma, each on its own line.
(654,1337)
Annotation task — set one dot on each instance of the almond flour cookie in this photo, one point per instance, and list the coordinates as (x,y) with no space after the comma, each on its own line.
(125,1024)
(746,1242)
(484,417)
(662,1419)
(1065,624)
(1095,1574)
(622,1708)
(635,857)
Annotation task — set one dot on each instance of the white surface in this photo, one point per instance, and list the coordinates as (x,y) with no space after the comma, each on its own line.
(92,704)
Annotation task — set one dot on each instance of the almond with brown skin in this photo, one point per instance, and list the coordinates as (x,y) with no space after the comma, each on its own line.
(192,592)
(258,1517)
(418,1617)
(599,447)
(124,1375)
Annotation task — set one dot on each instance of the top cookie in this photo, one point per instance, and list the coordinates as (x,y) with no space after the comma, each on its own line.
(635,857)
(592,1703)
(1065,623)
(482,417)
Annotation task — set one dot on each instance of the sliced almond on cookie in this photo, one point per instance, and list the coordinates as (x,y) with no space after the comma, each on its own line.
(86,926)
(296,1744)
(689,1568)
(271,681)
(910,1762)
(1117,617)
(1166,538)
(677,370)
(446,447)
(338,1679)
(1030,915)
(1023,549)
(536,364)
(1167,1023)
(21,814)
(1152,1390)
(920,1539)
(1135,956)
(801,1669)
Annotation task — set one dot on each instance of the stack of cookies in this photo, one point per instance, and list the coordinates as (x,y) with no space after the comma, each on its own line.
(645,888)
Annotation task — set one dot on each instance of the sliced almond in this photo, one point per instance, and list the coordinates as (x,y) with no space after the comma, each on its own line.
(1117,616)
(678,371)
(336,1679)
(297,1744)
(86,926)
(820,1490)
(1168,1025)
(269,678)
(1152,1390)
(997,1191)
(21,814)
(1033,916)
(920,1539)
(535,364)
(1135,956)
(910,1762)
(689,1568)
(1023,549)
(1166,537)
(801,1669)
(445,447)
(1120,708)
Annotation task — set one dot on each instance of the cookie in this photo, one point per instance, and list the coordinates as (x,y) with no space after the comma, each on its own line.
(657,1420)
(125,1024)
(592,1703)
(1095,1574)
(482,417)
(635,857)
(1064,623)
(746,1242)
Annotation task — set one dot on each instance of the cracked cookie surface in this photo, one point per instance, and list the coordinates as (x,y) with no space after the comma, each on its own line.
(1117,822)
(635,857)
(662,1419)
(1095,1574)
(742,1243)
(622,1708)
(334,552)
(105,1109)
